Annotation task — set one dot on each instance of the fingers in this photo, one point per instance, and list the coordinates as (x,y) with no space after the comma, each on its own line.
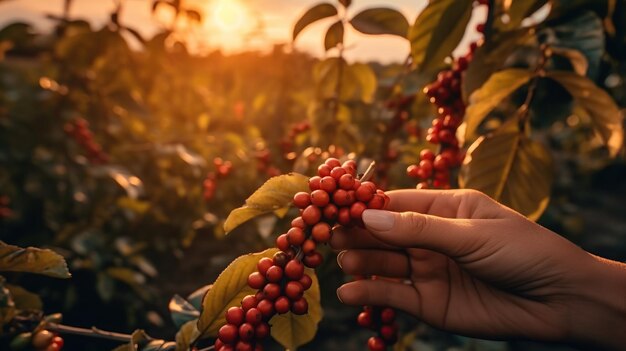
(355,238)
(380,293)
(374,262)
(452,237)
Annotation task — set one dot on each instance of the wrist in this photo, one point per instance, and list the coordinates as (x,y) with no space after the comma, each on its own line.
(598,315)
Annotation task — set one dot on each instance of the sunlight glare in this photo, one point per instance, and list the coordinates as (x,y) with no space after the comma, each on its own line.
(228,15)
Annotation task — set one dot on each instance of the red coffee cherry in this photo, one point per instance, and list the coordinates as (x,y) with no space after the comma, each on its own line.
(280,259)
(266,307)
(330,212)
(341,197)
(337,172)
(256,280)
(294,290)
(282,242)
(248,302)
(246,332)
(300,307)
(218,344)
(313,260)
(228,333)
(377,202)
(427,154)
(235,315)
(262,331)
(344,217)
(387,315)
(296,236)
(332,162)
(321,232)
(376,344)
(301,199)
(389,333)
(282,305)
(274,274)
(306,281)
(264,264)
(356,210)
(314,183)
(364,193)
(328,184)
(271,291)
(320,198)
(243,346)
(323,170)
(308,246)
(58,341)
(311,215)
(294,270)
(346,182)
(298,223)
(254,316)
(365,319)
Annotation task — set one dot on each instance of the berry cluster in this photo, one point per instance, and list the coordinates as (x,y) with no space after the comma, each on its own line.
(433,171)
(222,170)
(336,197)
(80,132)
(381,320)
(45,340)
(5,210)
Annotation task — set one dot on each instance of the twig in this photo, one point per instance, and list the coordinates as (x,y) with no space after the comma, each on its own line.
(369,172)
(93,332)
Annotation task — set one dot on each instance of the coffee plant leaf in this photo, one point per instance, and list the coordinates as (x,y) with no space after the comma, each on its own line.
(381,20)
(576,58)
(32,260)
(601,108)
(500,85)
(182,311)
(367,81)
(437,31)
(517,11)
(24,299)
(511,168)
(275,194)
(334,35)
(186,335)
(230,287)
(314,14)
(491,56)
(138,339)
(195,298)
(293,331)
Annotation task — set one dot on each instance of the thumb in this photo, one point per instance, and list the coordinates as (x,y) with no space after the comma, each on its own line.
(451,237)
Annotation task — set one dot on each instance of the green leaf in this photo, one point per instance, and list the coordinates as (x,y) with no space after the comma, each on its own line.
(603,111)
(186,335)
(437,31)
(334,35)
(364,75)
(511,168)
(496,88)
(381,20)
(32,260)
(315,13)
(291,330)
(276,193)
(230,287)
(24,299)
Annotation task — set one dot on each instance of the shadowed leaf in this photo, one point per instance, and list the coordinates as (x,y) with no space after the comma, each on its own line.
(32,260)
(314,14)
(334,35)
(381,20)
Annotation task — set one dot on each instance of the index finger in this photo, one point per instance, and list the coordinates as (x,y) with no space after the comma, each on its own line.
(459,203)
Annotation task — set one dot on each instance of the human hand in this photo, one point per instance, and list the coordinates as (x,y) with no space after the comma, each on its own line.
(460,261)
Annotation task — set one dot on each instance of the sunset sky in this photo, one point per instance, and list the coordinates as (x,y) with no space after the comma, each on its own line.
(229,23)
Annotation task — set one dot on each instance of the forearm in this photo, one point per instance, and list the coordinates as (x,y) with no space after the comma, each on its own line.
(599,319)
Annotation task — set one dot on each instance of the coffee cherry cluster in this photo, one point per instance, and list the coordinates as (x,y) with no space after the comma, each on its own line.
(382,320)
(336,197)
(80,132)
(222,170)
(433,171)
(45,340)
(5,210)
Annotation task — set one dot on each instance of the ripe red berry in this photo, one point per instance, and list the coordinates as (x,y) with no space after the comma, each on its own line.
(254,316)
(314,183)
(294,290)
(218,344)
(266,307)
(313,260)
(411,171)
(227,348)
(301,199)
(365,319)
(300,306)
(376,344)
(58,341)
(271,291)
(328,184)
(280,259)
(262,331)
(440,163)
(321,232)
(294,270)
(248,302)
(256,280)
(320,198)
(330,212)
(298,223)
(274,274)
(282,305)
(377,202)
(346,182)
(341,197)
(308,246)
(296,236)
(311,215)
(228,333)
(323,170)
(389,333)
(343,217)
(243,346)
(422,185)
(234,315)
(387,315)
(306,281)
(332,162)
(264,264)
(246,332)
(356,210)
(282,242)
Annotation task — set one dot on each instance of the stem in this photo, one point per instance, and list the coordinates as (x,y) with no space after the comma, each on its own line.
(93,332)
(523,111)
(369,172)
(338,85)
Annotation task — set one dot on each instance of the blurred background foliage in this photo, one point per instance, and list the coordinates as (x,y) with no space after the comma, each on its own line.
(125,154)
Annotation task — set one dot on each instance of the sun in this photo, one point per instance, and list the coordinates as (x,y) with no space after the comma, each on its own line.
(229,15)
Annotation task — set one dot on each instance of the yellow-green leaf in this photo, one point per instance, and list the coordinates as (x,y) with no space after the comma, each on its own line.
(230,287)
(598,104)
(291,330)
(186,335)
(24,299)
(32,260)
(437,31)
(496,88)
(275,194)
(512,169)
(364,75)
(334,35)
(381,20)
(314,14)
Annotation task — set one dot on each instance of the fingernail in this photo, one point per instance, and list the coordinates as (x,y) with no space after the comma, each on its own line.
(338,295)
(339,257)
(378,219)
